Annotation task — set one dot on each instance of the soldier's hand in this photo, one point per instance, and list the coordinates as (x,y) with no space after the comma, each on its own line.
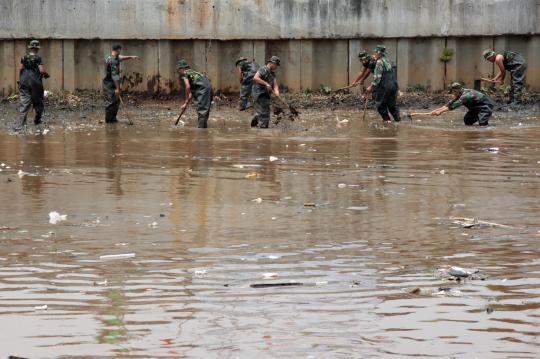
(269,88)
(183,106)
(117,92)
(46,75)
(136,58)
(435,113)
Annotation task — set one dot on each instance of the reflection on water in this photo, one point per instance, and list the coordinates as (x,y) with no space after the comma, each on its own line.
(377,225)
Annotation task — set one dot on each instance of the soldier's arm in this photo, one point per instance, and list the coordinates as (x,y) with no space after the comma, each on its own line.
(189,97)
(361,75)
(128,57)
(275,88)
(440,111)
(258,80)
(367,72)
(499,60)
(43,71)
(239,73)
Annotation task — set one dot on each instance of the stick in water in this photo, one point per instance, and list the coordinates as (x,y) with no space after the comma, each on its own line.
(181,113)
(365,108)
(125,110)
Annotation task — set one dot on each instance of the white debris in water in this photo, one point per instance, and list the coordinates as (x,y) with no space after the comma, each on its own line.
(55,217)
(47,93)
(269,275)
(272,257)
(257,200)
(3,164)
(153,224)
(358,208)
(41,307)
(45,131)
(200,272)
(459,272)
(117,256)
(273,158)
(342,185)
(493,149)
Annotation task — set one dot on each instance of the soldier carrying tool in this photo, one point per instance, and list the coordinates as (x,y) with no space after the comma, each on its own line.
(513,62)
(32,71)
(196,85)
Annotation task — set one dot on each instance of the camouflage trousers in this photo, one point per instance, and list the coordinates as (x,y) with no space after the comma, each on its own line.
(112,102)
(517,81)
(245,93)
(203,96)
(30,95)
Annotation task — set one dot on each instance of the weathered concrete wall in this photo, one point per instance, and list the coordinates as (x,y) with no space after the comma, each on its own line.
(265,19)
(306,64)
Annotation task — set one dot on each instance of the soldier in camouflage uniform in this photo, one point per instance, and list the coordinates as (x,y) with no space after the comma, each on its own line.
(513,62)
(247,71)
(197,85)
(265,85)
(385,86)
(368,67)
(32,71)
(112,88)
(480,106)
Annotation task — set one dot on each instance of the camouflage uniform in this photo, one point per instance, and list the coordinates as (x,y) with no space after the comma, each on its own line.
(112,74)
(262,98)
(516,64)
(201,90)
(386,88)
(30,89)
(249,69)
(369,63)
(480,107)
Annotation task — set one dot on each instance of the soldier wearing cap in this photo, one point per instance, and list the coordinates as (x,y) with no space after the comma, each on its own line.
(384,86)
(246,72)
(513,62)
(368,66)
(196,85)
(31,71)
(111,84)
(265,85)
(480,106)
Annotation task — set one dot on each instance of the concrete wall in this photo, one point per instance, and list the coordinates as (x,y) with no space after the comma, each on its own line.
(265,19)
(306,64)
(317,40)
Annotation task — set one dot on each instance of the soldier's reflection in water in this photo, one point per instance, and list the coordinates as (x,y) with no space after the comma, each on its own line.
(113,159)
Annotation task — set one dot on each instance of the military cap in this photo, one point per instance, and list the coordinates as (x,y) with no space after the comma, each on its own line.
(274,60)
(182,64)
(381,49)
(456,86)
(34,44)
(363,55)
(488,53)
(240,60)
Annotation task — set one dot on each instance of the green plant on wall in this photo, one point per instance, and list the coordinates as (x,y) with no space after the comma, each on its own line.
(446,55)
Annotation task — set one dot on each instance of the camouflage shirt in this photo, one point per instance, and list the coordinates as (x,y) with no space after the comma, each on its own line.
(31,62)
(370,64)
(248,69)
(267,75)
(112,64)
(192,76)
(469,98)
(382,65)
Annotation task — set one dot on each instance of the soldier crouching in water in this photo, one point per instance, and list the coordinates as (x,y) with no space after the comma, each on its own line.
(197,85)
(480,106)
(384,85)
(516,64)
(247,71)
(112,88)
(32,71)
(265,85)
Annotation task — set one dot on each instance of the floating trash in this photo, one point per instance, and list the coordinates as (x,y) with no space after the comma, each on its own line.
(55,217)
(117,256)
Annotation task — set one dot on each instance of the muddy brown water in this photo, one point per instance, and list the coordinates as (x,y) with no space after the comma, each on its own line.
(186,203)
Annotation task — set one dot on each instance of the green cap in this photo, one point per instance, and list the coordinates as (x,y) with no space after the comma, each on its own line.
(240,60)
(182,64)
(380,49)
(362,55)
(34,44)
(488,53)
(274,60)
(456,86)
